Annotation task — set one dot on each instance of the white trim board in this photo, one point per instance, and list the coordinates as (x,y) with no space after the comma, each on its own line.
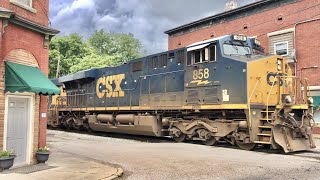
(30,140)
(280,32)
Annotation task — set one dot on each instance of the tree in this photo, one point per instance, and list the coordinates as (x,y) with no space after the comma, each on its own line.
(122,46)
(100,50)
(94,61)
(68,50)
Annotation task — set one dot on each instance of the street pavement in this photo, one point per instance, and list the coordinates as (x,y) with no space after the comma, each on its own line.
(63,166)
(161,158)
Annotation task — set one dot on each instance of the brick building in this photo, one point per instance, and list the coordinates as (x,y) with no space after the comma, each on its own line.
(24,40)
(286,27)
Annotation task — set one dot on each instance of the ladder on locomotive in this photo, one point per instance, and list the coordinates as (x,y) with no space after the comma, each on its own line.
(265,127)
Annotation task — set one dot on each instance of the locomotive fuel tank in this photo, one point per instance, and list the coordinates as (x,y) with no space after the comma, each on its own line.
(128,123)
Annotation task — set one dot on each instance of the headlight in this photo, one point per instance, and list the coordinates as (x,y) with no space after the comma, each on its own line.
(288,99)
(310,100)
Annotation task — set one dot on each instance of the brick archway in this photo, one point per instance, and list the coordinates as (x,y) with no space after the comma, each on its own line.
(21,56)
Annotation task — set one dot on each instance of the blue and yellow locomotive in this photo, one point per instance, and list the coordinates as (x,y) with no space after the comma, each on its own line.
(219,89)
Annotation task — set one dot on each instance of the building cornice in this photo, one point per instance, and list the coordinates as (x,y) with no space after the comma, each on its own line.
(5,13)
(33,26)
(11,17)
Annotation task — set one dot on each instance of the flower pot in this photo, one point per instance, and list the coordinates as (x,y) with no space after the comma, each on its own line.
(42,157)
(6,162)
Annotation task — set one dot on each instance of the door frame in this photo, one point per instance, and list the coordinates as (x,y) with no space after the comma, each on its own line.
(30,131)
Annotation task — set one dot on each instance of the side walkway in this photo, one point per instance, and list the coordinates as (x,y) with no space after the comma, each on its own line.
(63,166)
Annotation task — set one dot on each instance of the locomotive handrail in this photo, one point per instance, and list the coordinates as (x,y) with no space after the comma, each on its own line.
(249,104)
(267,109)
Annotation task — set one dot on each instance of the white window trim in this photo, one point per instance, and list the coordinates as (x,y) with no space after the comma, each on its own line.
(29,8)
(275,33)
(275,45)
(30,140)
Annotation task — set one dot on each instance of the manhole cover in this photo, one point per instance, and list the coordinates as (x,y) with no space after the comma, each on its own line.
(28,169)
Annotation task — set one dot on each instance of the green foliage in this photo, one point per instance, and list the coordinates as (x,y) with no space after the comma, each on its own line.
(5,154)
(100,50)
(43,149)
(68,50)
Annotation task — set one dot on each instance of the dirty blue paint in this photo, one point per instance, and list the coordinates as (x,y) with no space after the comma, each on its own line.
(227,73)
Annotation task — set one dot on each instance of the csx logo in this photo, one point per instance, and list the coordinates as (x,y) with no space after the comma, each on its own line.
(110,86)
(271,78)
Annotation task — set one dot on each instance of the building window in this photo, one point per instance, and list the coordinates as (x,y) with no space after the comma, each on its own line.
(281,48)
(26,4)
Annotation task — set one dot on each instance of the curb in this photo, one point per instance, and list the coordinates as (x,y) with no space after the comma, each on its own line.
(119,173)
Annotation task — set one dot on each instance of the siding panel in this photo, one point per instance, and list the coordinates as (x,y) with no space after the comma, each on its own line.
(281,38)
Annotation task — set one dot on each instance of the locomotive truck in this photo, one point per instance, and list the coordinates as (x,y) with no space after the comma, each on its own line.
(222,89)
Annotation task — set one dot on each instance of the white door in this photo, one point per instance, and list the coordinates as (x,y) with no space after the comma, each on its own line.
(17,128)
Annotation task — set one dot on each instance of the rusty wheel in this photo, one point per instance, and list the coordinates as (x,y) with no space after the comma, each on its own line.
(245,146)
(177,134)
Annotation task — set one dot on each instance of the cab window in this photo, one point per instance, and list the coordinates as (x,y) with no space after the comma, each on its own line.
(205,54)
(236,50)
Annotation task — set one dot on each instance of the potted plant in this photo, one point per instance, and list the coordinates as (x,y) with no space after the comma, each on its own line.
(6,159)
(43,154)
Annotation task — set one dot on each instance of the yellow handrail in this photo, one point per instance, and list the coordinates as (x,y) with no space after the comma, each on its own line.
(267,109)
(249,104)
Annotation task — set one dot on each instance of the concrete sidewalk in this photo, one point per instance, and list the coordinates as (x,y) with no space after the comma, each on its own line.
(64,166)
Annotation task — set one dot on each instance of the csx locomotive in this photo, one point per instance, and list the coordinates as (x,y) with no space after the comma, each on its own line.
(222,89)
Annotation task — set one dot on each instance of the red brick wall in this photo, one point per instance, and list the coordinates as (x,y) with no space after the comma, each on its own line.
(258,24)
(41,6)
(308,45)
(16,37)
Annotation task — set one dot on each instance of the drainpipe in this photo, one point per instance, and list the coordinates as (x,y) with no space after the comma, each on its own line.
(294,41)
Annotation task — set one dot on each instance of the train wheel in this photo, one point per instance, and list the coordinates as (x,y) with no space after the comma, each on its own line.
(177,134)
(245,146)
(206,137)
(210,142)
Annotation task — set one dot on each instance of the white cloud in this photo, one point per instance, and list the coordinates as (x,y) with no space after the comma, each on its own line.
(145,19)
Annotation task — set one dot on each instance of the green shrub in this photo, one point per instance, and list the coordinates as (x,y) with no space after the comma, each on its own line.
(5,154)
(43,149)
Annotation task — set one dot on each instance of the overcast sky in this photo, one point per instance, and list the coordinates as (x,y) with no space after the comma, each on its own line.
(145,19)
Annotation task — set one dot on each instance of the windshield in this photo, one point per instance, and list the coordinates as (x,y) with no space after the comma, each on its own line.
(257,52)
(238,50)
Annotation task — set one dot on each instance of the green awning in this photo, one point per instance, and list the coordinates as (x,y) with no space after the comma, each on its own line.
(21,78)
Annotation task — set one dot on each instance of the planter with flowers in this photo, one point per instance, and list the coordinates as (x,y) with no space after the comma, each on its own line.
(6,159)
(43,154)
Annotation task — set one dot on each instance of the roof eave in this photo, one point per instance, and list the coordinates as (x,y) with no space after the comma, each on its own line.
(219,15)
(5,13)
(17,20)
(33,26)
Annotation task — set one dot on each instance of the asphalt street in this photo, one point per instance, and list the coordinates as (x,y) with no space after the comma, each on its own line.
(153,158)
